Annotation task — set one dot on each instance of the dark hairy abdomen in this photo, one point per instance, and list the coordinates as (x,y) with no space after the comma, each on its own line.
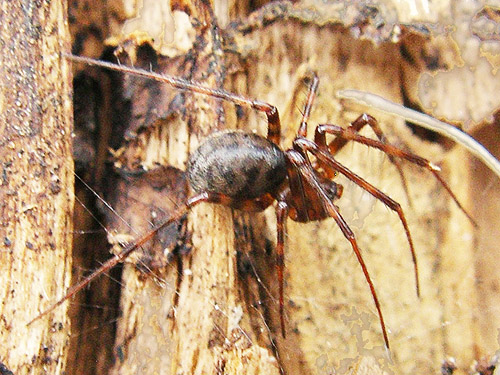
(238,165)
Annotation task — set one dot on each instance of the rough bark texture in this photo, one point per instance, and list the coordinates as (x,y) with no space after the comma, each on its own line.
(36,189)
(215,309)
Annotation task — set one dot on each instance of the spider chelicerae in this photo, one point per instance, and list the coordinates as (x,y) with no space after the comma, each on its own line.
(250,172)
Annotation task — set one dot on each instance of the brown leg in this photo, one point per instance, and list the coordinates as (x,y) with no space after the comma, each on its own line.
(281,215)
(273,119)
(306,145)
(335,145)
(307,173)
(120,257)
(250,205)
(352,135)
(358,124)
(309,103)
(261,204)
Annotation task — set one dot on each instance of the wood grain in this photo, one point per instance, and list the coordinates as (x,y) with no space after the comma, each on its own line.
(37,185)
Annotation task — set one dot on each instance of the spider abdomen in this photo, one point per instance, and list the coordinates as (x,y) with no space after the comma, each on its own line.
(239,165)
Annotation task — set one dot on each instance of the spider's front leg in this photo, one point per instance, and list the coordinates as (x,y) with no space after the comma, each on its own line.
(355,127)
(301,164)
(351,134)
(329,161)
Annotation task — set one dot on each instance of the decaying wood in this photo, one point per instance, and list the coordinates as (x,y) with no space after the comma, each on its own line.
(36,186)
(215,309)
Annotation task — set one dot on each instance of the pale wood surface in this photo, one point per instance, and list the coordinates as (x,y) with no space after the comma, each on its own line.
(36,190)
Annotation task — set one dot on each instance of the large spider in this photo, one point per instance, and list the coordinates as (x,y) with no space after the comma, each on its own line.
(248,172)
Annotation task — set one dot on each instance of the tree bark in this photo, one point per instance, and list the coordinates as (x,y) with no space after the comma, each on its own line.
(216,310)
(37,185)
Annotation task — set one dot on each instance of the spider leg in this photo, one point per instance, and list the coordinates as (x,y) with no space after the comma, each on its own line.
(281,215)
(311,95)
(122,255)
(273,119)
(248,205)
(301,162)
(256,205)
(307,145)
(352,135)
(335,145)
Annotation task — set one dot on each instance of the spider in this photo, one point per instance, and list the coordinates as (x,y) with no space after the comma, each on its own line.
(249,172)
